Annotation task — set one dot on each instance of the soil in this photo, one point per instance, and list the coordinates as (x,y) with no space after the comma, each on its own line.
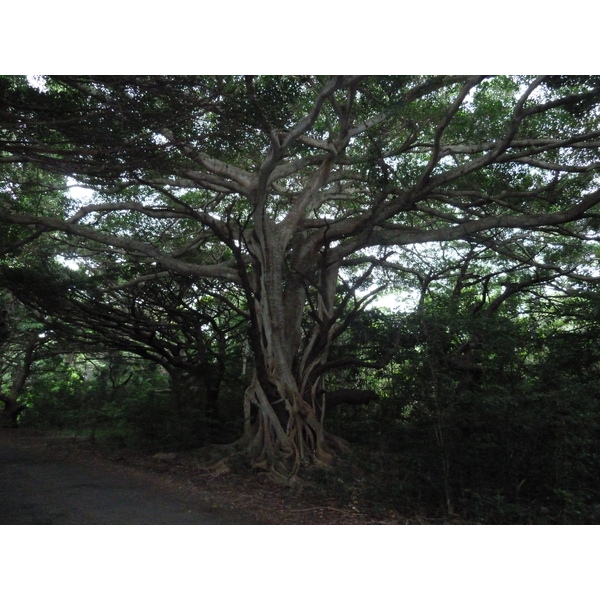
(55,479)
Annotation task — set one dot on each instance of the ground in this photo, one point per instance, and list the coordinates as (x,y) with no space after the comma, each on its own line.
(51,478)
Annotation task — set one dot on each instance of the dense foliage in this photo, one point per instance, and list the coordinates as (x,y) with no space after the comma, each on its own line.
(509,434)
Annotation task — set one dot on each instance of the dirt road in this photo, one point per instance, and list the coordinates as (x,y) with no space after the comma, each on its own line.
(39,488)
(50,478)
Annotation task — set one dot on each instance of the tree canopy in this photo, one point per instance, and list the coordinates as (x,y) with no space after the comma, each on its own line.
(307,195)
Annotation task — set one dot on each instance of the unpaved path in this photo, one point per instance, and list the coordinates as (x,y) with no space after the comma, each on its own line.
(49,478)
(39,488)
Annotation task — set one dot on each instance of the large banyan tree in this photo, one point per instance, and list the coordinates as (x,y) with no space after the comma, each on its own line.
(295,190)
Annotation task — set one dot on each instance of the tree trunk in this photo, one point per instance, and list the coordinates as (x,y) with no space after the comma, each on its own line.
(11,411)
(12,407)
(283,430)
(189,395)
(282,440)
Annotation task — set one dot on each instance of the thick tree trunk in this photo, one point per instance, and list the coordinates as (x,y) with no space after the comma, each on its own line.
(283,428)
(283,440)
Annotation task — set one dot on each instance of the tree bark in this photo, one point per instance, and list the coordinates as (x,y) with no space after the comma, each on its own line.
(11,411)
(12,407)
(283,430)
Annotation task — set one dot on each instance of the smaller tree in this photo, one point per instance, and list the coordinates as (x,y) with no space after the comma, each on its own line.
(192,330)
(23,342)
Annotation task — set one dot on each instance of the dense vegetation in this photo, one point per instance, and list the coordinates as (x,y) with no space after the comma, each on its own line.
(220,281)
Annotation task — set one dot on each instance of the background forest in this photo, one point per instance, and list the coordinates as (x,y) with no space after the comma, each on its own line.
(386,286)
